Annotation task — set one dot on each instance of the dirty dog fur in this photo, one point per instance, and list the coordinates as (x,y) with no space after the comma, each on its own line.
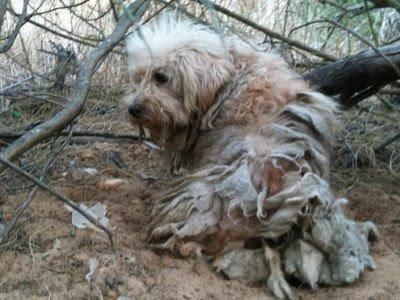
(252,144)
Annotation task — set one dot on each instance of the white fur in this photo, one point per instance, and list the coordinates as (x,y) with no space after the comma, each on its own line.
(171,37)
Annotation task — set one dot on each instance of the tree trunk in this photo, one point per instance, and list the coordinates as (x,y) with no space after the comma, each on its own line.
(357,77)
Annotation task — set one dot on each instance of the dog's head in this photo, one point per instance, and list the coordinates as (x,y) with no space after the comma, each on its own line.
(176,68)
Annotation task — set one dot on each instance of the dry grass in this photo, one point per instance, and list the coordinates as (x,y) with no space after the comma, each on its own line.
(364,129)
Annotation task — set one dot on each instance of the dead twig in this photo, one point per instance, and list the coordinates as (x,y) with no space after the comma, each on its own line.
(387,142)
(110,135)
(114,10)
(3,9)
(2,91)
(25,204)
(271,33)
(57,8)
(59,196)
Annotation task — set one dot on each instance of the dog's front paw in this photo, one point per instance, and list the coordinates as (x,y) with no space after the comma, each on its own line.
(304,262)
(278,286)
(243,264)
(344,244)
(276,282)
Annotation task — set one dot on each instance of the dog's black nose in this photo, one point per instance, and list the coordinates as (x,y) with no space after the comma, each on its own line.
(135,110)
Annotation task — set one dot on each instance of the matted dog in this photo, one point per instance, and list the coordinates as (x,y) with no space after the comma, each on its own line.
(252,143)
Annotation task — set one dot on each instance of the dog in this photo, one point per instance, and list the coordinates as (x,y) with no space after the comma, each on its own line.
(251,143)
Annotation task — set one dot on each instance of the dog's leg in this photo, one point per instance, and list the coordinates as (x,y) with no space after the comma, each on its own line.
(276,282)
(192,249)
(255,266)
(243,264)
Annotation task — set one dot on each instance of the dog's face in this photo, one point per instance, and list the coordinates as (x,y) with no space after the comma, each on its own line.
(176,69)
(155,99)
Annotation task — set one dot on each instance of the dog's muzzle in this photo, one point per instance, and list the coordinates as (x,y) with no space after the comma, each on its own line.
(135,109)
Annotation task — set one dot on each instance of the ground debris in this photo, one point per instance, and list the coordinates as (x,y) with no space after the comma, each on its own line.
(97,211)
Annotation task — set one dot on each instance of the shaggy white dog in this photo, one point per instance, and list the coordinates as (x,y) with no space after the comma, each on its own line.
(254,142)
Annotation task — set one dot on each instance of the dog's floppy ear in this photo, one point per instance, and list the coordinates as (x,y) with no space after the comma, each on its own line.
(202,75)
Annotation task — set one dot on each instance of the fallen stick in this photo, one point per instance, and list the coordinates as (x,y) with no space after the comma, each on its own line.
(59,196)
(10,225)
(110,135)
(387,142)
(25,204)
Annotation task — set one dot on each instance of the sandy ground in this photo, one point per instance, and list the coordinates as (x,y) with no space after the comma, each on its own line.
(46,257)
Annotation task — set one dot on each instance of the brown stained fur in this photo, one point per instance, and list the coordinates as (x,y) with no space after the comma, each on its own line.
(270,86)
(273,173)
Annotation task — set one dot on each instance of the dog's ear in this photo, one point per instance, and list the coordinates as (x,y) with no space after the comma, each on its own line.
(202,75)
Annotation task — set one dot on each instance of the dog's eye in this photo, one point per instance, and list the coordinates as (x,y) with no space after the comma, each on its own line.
(160,77)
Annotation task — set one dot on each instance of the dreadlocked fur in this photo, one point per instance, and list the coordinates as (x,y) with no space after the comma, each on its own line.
(255,142)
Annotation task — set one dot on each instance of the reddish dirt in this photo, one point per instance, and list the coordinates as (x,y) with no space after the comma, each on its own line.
(47,257)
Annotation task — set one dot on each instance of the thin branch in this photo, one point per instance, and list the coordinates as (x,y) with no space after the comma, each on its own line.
(305,25)
(71,32)
(110,135)
(71,38)
(272,33)
(3,9)
(387,142)
(83,80)
(11,39)
(60,196)
(352,32)
(2,91)
(344,9)
(371,24)
(114,10)
(21,209)
(25,204)
(84,20)
(57,8)
(159,11)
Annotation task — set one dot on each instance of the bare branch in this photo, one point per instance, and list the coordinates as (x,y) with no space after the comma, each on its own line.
(159,11)
(111,135)
(11,39)
(3,9)
(371,24)
(71,38)
(387,142)
(59,196)
(25,204)
(114,10)
(272,34)
(83,79)
(57,8)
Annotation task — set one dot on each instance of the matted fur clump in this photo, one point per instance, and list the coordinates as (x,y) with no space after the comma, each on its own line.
(252,143)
